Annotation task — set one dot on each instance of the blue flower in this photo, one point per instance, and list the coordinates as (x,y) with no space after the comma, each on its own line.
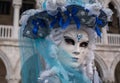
(36,23)
(71,15)
(55,19)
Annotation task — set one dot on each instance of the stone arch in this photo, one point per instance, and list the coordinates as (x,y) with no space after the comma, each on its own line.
(106,2)
(113,65)
(103,66)
(115,22)
(7,63)
(116,4)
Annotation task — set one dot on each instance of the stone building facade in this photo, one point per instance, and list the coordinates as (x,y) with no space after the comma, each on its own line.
(107,52)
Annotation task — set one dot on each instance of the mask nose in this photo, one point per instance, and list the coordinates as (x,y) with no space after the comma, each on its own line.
(76,53)
(76,50)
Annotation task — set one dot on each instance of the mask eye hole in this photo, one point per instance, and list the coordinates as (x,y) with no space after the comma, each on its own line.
(84,44)
(69,41)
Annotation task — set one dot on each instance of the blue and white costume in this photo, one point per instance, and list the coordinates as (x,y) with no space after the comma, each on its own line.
(57,42)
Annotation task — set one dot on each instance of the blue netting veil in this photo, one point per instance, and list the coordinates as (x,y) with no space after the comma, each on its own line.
(38,55)
(30,60)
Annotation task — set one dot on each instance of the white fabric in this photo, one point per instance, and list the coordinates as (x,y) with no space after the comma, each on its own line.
(25,15)
(109,13)
(96,77)
(94,8)
(52,5)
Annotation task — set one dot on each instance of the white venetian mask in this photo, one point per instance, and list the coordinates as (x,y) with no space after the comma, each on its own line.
(75,42)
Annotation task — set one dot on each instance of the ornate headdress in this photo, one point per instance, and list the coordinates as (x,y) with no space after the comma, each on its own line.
(57,13)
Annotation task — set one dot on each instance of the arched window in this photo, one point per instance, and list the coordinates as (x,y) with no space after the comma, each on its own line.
(2,72)
(117,73)
(27,4)
(113,26)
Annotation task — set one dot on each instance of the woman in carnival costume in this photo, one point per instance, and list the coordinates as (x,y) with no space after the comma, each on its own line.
(57,42)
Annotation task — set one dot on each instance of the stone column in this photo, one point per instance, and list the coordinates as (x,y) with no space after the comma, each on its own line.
(39,3)
(104,35)
(104,30)
(16,20)
(16,5)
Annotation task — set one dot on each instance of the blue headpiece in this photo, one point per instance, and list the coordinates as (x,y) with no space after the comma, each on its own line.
(41,23)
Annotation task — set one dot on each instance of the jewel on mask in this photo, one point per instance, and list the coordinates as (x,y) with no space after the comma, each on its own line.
(79,36)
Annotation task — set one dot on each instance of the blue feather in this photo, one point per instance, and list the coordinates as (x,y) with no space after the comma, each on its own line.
(77,21)
(67,22)
(97,29)
(74,11)
(99,22)
(56,19)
